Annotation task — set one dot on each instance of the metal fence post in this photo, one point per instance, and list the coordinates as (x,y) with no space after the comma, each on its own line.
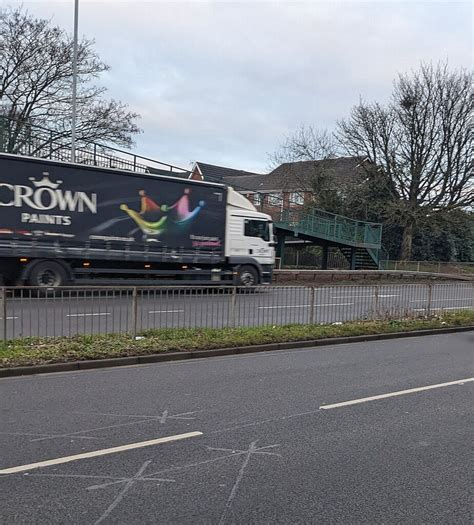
(428,305)
(3,305)
(233,299)
(376,302)
(311,305)
(134,312)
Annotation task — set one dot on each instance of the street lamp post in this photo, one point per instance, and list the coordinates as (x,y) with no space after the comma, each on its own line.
(74,83)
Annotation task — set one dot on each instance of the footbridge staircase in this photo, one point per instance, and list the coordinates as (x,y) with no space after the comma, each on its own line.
(358,241)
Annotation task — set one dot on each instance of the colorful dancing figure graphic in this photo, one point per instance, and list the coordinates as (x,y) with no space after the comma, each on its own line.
(154,219)
(147,205)
(183,215)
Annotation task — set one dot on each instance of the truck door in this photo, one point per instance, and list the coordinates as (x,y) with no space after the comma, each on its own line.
(257,233)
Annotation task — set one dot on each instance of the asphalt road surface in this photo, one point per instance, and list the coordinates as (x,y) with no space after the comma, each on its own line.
(81,311)
(263,441)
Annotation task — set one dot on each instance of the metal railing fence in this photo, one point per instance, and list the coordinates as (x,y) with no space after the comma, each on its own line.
(67,312)
(329,226)
(430,266)
(312,258)
(20,137)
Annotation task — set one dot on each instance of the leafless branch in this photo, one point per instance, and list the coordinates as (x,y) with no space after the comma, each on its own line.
(421,142)
(35,82)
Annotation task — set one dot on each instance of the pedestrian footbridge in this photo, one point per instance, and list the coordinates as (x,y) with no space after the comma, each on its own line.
(359,241)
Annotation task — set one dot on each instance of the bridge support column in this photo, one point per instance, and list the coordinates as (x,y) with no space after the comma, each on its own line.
(324,260)
(280,248)
(353,258)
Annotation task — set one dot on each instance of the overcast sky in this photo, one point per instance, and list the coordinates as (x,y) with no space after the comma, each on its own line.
(225,82)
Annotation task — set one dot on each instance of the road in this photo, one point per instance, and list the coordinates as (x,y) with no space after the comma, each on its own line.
(75,312)
(268,447)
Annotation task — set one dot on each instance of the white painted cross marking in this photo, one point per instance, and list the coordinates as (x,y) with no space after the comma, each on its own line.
(117,480)
(96,453)
(165,415)
(127,486)
(251,451)
(46,436)
(138,419)
(393,394)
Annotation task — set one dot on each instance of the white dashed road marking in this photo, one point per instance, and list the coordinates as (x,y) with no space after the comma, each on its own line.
(165,311)
(447,300)
(301,306)
(443,308)
(88,314)
(393,394)
(103,452)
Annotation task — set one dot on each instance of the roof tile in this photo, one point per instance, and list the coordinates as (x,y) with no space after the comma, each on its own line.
(290,176)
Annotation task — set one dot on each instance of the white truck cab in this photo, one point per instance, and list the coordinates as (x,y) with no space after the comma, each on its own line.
(249,240)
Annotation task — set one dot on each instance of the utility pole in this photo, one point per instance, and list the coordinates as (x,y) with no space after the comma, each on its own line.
(74,82)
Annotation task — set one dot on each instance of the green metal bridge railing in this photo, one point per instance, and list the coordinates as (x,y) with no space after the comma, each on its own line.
(331,227)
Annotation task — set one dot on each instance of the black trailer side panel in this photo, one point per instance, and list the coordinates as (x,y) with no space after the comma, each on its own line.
(68,210)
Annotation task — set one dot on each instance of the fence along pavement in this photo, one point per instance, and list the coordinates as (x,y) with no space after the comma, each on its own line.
(33,312)
(430,266)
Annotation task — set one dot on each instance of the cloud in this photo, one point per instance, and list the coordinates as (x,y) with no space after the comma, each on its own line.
(223,82)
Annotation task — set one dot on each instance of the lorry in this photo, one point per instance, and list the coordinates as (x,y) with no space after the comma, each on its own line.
(65,224)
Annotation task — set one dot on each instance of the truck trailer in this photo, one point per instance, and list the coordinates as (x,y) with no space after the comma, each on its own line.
(65,224)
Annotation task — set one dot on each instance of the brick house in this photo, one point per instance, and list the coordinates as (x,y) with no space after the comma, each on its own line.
(290,185)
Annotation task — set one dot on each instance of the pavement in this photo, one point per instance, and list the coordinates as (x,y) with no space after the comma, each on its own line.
(82,311)
(267,444)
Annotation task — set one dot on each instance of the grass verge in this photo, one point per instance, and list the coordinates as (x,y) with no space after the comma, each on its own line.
(33,351)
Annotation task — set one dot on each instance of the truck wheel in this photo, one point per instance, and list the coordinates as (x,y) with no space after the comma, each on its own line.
(48,274)
(247,277)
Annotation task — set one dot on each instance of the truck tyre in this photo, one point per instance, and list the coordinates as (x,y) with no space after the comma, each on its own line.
(247,277)
(48,274)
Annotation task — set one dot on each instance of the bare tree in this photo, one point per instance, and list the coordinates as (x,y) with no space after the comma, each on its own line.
(420,143)
(35,84)
(307,143)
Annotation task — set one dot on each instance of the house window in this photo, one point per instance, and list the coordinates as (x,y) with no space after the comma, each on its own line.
(257,199)
(297,198)
(275,199)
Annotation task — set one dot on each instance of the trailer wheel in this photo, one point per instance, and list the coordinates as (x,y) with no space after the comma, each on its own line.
(48,274)
(247,277)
